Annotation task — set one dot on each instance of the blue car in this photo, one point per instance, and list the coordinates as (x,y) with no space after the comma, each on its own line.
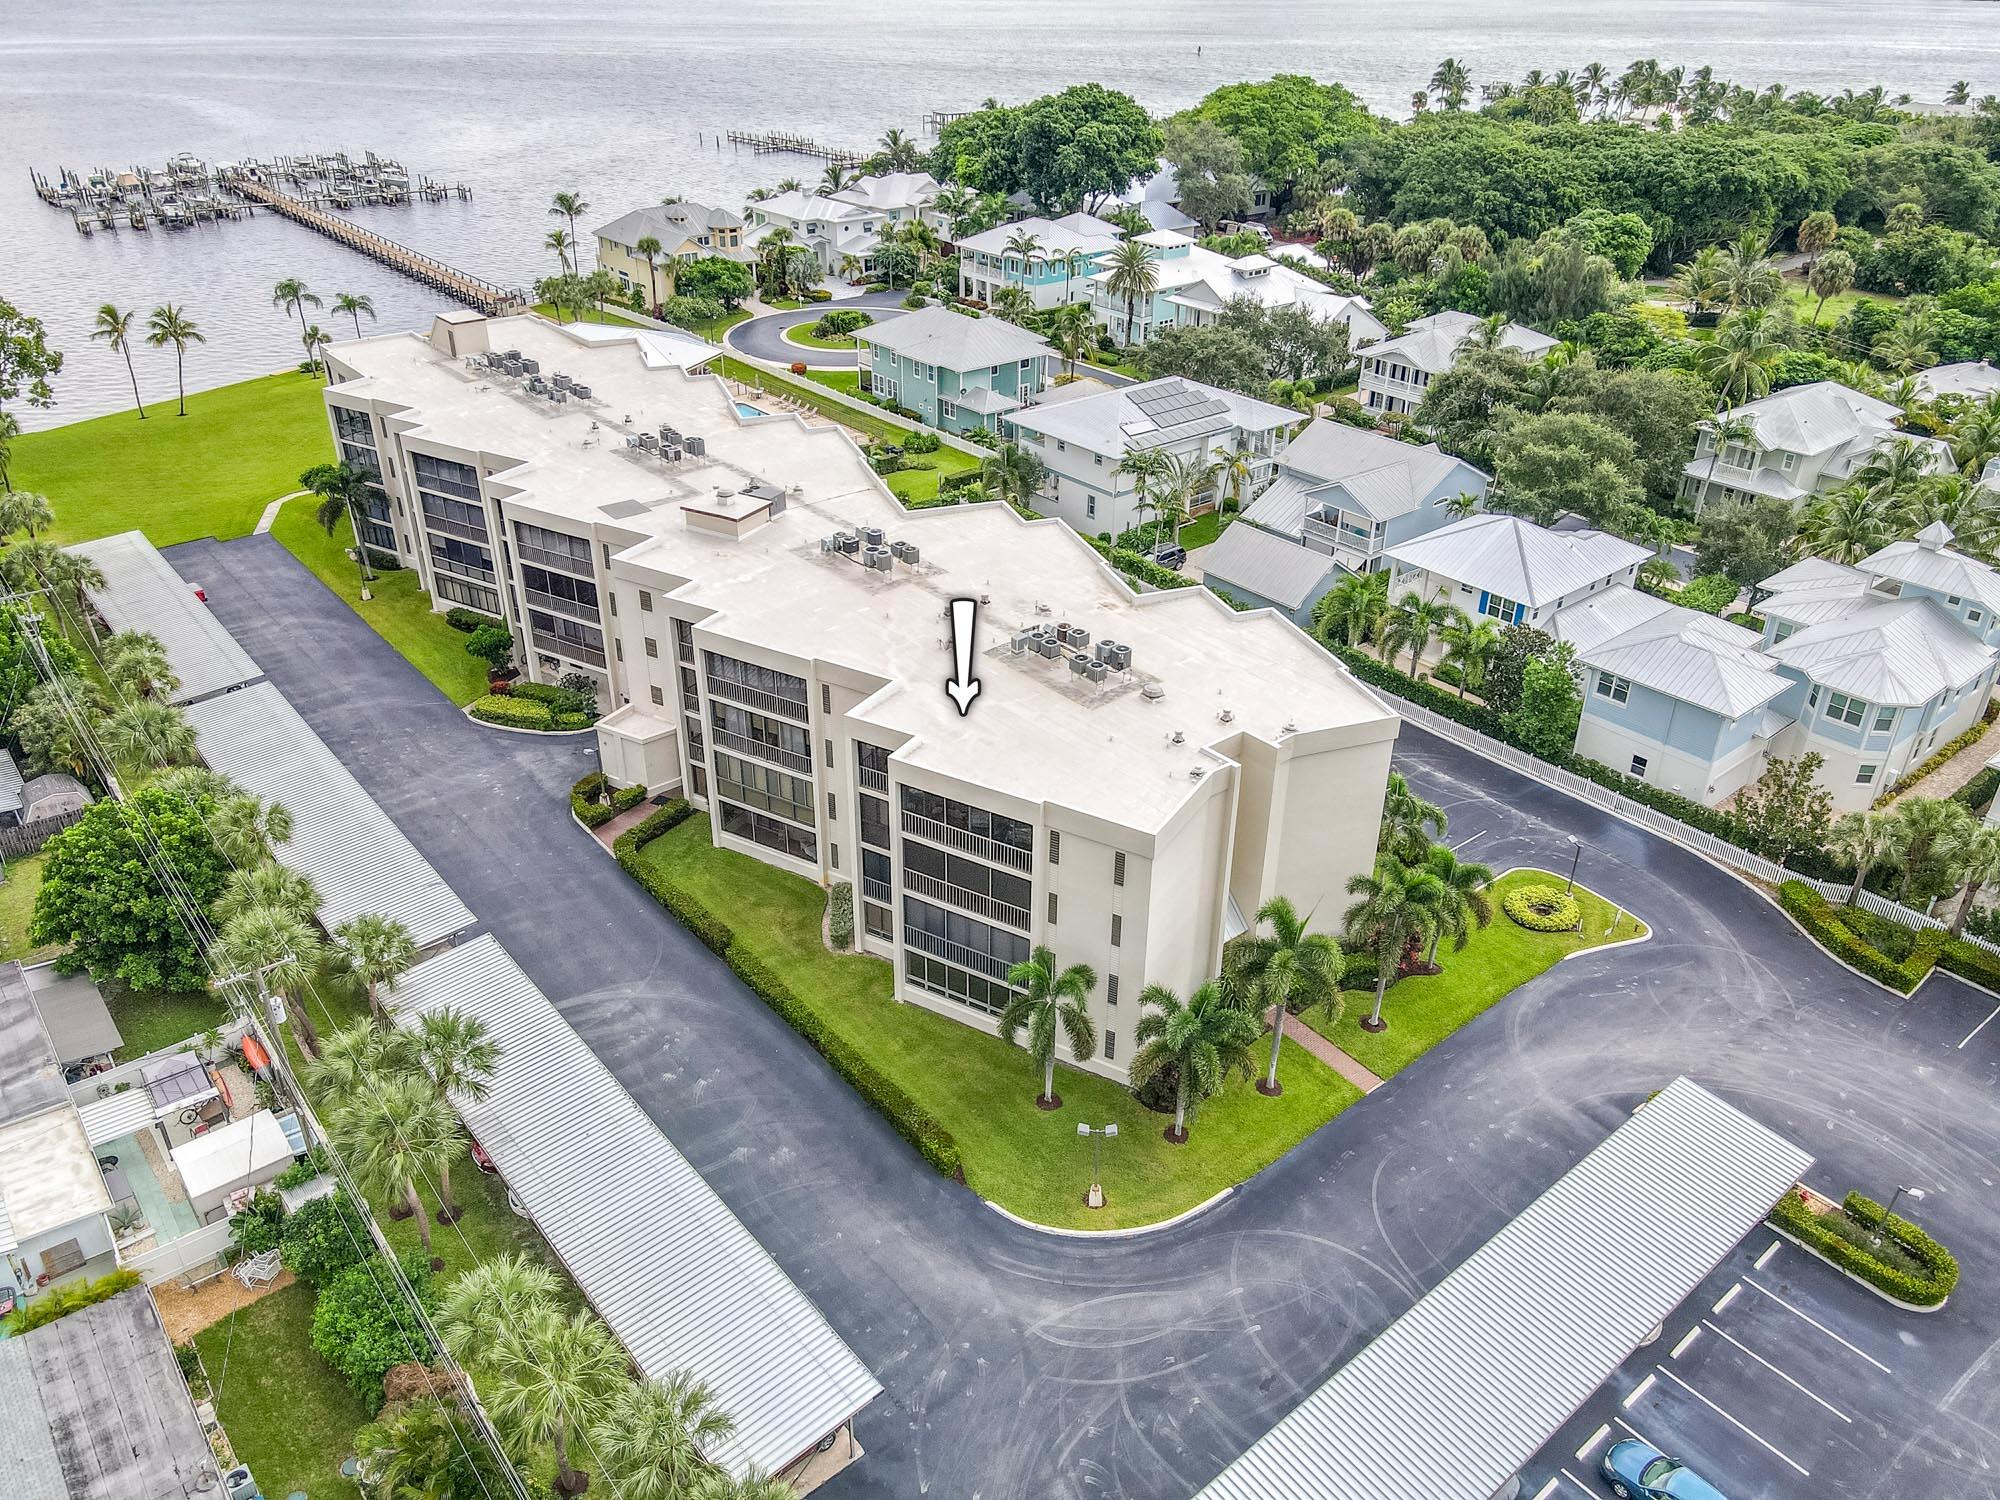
(1639,1471)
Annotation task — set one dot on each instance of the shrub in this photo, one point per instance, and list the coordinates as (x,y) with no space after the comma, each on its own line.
(840,323)
(916,300)
(1843,1236)
(537,692)
(922,442)
(1943,753)
(1972,962)
(258,1226)
(299,1173)
(586,801)
(512,711)
(1977,794)
(840,915)
(61,1301)
(1359,972)
(1141,569)
(360,1327)
(1829,927)
(1542,908)
(818,294)
(323,1239)
(797,367)
(492,645)
(458,617)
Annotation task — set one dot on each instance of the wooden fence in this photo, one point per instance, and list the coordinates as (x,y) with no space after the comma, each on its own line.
(27,838)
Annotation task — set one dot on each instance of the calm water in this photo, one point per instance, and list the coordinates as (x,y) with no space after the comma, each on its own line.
(520,98)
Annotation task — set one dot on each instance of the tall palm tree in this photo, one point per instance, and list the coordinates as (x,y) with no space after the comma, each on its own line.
(378,951)
(1235,465)
(1133,273)
(136,664)
(1743,354)
(1013,474)
(1047,1001)
(1353,608)
(499,1292)
(1398,907)
(1073,334)
(458,1056)
(169,325)
(1412,622)
(1978,863)
(569,207)
(655,1439)
(1895,467)
(837,178)
(343,489)
(1464,904)
(1975,437)
(1846,525)
(649,248)
(267,885)
(114,327)
(294,296)
(279,948)
(552,1377)
(1750,278)
(1451,82)
(243,829)
(1469,649)
(1724,431)
(1698,282)
(354,304)
(356,1058)
(75,574)
(559,240)
(148,732)
(395,1132)
(315,340)
(754,1485)
(1831,274)
(1202,1039)
(958,205)
(1074,263)
(1928,831)
(25,510)
(1284,969)
(1147,467)
(10,431)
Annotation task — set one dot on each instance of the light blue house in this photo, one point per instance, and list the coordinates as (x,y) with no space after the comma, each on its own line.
(1051,259)
(955,372)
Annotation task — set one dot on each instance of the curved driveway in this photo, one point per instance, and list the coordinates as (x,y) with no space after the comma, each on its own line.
(763,337)
(1017,1364)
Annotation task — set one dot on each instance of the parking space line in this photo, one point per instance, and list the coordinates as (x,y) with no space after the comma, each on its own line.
(1803,1390)
(1687,1338)
(1977,1029)
(1769,1251)
(1579,1484)
(1547,1490)
(1637,1433)
(1728,1297)
(1747,1431)
(1637,1391)
(1593,1440)
(1819,1325)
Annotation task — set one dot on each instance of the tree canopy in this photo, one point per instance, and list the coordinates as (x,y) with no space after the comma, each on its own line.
(1063,150)
(1288,126)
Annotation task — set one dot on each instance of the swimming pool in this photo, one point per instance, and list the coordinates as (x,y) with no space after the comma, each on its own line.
(745,409)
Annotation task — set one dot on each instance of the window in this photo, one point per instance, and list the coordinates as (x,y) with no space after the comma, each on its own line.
(446,477)
(1110,1045)
(646,600)
(875,821)
(1638,768)
(690,694)
(879,921)
(761,735)
(825,698)
(1617,689)
(996,828)
(1864,776)
(760,687)
(659,697)
(770,832)
(652,646)
(831,810)
(1090,505)
(1052,908)
(684,641)
(1110,989)
(1784,628)
(1117,928)
(559,590)
(871,764)
(962,939)
(1496,608)
(1973,617)
(1847,710)
(486,601)
(833,855)
(1812,698)
(699,778)
(1055,847)
(1118,868)
(554,549)
(1885,719)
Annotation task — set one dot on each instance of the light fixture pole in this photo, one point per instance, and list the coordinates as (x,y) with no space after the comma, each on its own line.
(1915,1194)
(1574,860)
(1098,1136)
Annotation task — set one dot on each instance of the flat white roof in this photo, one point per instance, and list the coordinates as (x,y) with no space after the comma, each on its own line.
(231,1154)
(1455,1395)
(670,1269)
(358,859)
(48,1174)
(143,592)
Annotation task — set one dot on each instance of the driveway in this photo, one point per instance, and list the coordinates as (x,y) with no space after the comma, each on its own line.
(1017,1364)
(763,337)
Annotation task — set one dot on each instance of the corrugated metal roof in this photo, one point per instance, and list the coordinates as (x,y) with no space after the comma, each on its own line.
(1814,573)
(1460,1391)
(1432,344)
(1680,652)
(30,1073)
(1112,422)
(1901,652)
(10,783)
(1283,506)
(114,1115)
(1387,478)
(953,341)
(669,1268)
(358,859)
(1817,418)
(1519,560)
(142,592)
(1926,561)
(1269,566)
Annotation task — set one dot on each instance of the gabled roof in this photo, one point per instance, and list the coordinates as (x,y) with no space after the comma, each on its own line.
(891,190)
(1071,232)
(1519,560)
(952,341)
(1386,478)
(1679,652)
(1927,561)
(1265,564)
(1154,414)
(1813,590)
(800,205)
(1813,573)
(1818,418)
(1969,378)
(1901,652)
(1432,344)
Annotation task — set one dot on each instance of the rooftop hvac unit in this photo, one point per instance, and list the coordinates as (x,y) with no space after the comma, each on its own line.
(581,392)
(1021,641)
(896,548)
(872,535)
(1050,649)
(535,385)
(237,1484)
(1079,637)
(632,442)
(877,558)
(1062,631)
(532,366)
(1094,671)
(696,446)
(1120,658)
(667,433)
(650,443)
(1103,649)
(1077,664)
(910,554)
(829,544)
(511,354)
(849,542)
(561,381)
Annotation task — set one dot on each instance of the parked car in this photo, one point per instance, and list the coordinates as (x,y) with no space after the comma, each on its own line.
(1639,1471)
(1171,556)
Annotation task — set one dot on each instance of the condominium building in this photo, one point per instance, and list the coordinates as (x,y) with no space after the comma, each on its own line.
(774,632)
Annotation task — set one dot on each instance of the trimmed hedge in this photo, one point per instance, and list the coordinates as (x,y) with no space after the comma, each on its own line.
(1972,962)
(1927,1289)
(1141,569)
(458,617)
(1542,908)
(911,1120)
(1977,794)
(1943,753)
(840,915)
(1822,923)
(514,712)
(587,801)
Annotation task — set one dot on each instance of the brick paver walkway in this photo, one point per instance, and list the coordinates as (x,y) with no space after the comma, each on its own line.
(1957,771)
(607,834)
(1327,1053)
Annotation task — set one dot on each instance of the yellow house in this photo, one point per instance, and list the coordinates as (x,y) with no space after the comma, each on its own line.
(686,232)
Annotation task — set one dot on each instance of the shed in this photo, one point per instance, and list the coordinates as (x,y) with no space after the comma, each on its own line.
(52,796)
(241,1154)
(1266,570)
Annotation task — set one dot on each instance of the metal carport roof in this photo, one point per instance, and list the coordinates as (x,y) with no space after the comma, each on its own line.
(143,592)
(357,857)
(1455,1395)
(669,1268)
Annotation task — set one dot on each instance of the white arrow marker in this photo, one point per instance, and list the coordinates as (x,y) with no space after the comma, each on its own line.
(962,685)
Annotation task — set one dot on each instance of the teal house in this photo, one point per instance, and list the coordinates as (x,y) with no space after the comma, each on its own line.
(956,373)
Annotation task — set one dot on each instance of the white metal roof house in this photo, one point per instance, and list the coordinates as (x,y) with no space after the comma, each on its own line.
(1048,272)
(1082,439)
(1396,372)
(953,371)
(853,221)
(1808,439)
(1974,380)
(143,592)
(1510,570)
(1928,566)
(1269,571)
(1196,284)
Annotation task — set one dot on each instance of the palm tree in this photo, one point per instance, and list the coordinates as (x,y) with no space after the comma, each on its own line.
(25,510)
(1014,304)
(502,1292)
(354,304)
(343,490)
(1958,93)
(754,1485)
(115,328)
(266,886)
(1464,904)
(10,430)
(1975,437)
(1464,503)
(1831,274)
(1073,334)
(293,295)
(1201,1039)
(1977,860)
(378,951)
(654,1440)
(552,1376)
(1846,525)
(1905,348)
(1451,83)
(356,1058)
(1026,246)
(136,664)
(569,207)
(314,338)
(1724,431)
(428,1449)
(1133,274)
(1412,623)
(169,325)
(1014,474)
(243,829)
(1074,263)
(649,248)
(559,241)
(1927,830)
(1288,968)
(278,947)
(1750,278)
(1698,282)
(900,153)
(1353,607)
(1409,823)
(1895,467)
(1744,352)
(1235,466)
(1399,907)
(837,178)
(455,1053)
(1470,646)
(1045,1001)
(394,1132)
(149,732)
(1147,467)
(69,571)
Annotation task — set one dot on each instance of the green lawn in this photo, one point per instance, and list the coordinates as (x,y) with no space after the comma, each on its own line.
(1024,1159)
(713,331)
(210,473)
(838,380)
(914,483)
(1425,1009)
(1202,530)
(17,904)
(1803,302)
(803,334)
(400,611)
(151,1023)
(596,315)
(290,1417)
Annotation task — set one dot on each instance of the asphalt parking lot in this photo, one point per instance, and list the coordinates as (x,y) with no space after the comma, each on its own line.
(1778,1377)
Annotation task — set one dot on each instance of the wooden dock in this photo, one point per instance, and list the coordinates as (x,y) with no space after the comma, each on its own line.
(935,120)
(779,143)
(466,287)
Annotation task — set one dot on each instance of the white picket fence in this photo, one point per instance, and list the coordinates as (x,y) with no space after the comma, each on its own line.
(1651,818)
